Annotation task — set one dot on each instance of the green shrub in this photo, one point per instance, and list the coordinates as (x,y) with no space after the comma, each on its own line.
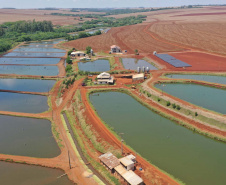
(178,107)
(168,103)
(196,114)
(159,99)
(174,105)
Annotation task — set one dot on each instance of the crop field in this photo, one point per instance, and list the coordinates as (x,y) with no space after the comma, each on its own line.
(12,15)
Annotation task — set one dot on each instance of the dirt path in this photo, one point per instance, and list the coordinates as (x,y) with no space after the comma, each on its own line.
(81,154)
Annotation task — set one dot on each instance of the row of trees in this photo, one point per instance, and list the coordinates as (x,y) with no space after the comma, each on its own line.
(30,26)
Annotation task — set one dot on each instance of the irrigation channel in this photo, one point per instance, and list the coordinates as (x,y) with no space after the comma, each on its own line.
(28,136)
(188,156)
(99,65)
(203,96)
(206,78)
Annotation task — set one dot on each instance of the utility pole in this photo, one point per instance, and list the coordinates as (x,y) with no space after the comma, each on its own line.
(69,159)
(121,142)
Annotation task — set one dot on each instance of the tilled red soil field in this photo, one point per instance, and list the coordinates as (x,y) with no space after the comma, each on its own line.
(127,37)
(202,61)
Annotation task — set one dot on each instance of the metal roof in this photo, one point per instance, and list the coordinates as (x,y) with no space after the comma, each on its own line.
(109,160)
(172,61)
(129,176)
(77,52)
(104,75)
(126,161)
(141,75)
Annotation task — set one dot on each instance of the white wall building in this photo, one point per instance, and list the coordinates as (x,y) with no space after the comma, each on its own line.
(105,78)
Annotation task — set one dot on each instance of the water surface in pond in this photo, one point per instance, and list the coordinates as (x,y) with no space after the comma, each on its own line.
(133,64)
(46,42)
(37,45)
(203,96)
(100,65)
(25,61)
(29,70)
(22,174)
(30,85)
(191,157)
(27,137)
(26,49)
(27,103)
(207,78)
(27,54)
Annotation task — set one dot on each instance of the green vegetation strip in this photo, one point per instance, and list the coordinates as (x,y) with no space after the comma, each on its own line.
(76,151)
(78,136)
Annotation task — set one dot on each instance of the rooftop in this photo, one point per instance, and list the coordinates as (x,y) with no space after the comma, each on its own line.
(77,52)
(126,161)
(141,75)
(109,160)
(129,176)
(104,75)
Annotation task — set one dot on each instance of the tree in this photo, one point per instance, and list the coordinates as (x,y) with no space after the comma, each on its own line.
(136,52)
(88,50)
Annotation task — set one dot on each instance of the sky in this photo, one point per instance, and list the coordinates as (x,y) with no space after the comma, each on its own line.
(101,3)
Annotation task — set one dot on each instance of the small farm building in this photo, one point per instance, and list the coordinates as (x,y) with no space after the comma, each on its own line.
(105,78)
(115,49)
(78,54)
(129,176)
(138,77)
(109,160)
(127,162)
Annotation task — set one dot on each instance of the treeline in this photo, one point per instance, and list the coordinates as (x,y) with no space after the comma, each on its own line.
(82,35)
(112,11)
(112,22)
(29,26)
(79,15)
(13,32)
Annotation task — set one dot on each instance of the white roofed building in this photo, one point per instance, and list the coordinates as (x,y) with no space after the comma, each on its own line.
(105,78)
(78,54)
(138,77)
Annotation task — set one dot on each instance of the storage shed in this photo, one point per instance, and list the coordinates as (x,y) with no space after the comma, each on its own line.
(129,176)
(109,160)
(138,77)
(127,163)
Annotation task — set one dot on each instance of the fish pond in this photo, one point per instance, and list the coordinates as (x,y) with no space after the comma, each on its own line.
(30,54)
(46,42)
(29,70)
(26,49)
(133,64)
(188,156)
(203,96)
(207,78)
(27,103)
(99,65)
(31,61)
(37,45)
(22,174)
(27,137)
(30,85)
